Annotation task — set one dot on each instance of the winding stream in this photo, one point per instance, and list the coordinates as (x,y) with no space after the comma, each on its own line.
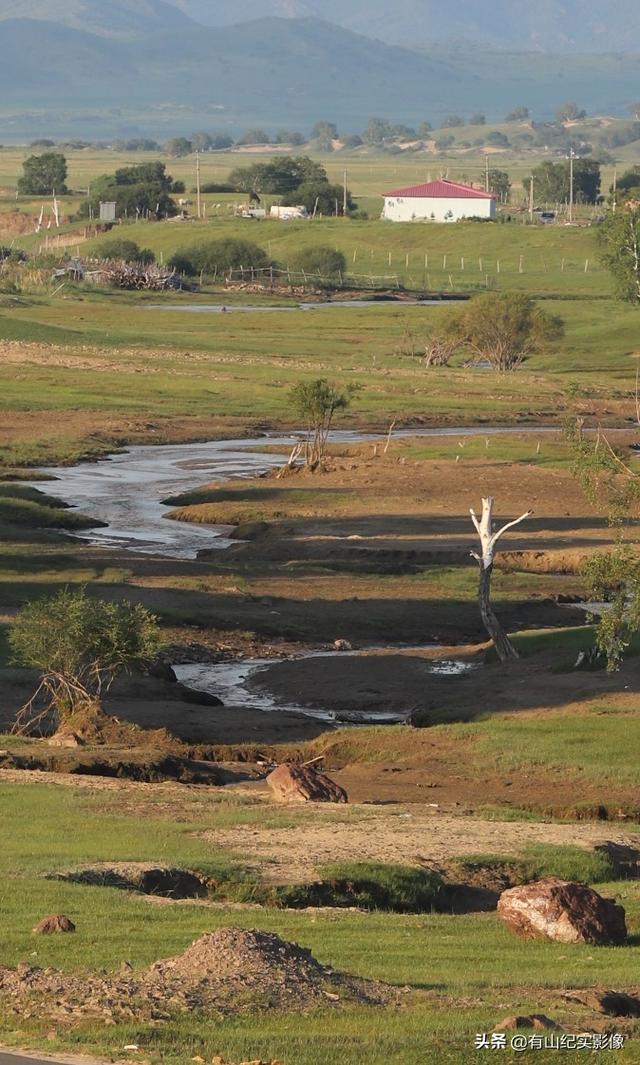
(126,490)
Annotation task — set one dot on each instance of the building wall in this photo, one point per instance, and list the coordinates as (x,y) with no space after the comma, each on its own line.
(436,209)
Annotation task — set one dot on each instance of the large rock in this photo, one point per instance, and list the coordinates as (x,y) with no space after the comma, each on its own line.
(300,783)
(564,911)
(56,922)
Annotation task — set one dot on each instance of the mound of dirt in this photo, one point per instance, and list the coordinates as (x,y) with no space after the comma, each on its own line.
(238,964)
(231,970)
(137,876)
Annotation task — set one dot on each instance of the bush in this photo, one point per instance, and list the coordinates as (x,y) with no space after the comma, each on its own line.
(127,251)
(323,260)
(79,645)
(219,257)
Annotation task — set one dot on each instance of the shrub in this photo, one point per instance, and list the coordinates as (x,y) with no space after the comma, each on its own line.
(219,257)
(323,260)
(127,250)
(79,645)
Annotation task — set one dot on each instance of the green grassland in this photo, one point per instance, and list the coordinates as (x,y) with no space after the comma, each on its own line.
(463,973)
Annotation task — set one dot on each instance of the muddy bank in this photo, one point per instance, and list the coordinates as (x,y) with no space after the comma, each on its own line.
(406,684)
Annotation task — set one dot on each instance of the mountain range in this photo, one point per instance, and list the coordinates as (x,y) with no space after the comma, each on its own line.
(548,26)
(104,68)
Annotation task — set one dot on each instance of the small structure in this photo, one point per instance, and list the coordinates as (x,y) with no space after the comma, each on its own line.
(286,214)
(438,201)
(108,211)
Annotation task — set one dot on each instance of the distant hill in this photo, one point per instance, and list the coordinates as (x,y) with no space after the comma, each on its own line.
(111,18)
(553,25)
(57,79)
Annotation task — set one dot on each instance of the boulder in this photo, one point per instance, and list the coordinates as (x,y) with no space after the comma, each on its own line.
(562,910)
(56,922)
(300,783)
(342,645)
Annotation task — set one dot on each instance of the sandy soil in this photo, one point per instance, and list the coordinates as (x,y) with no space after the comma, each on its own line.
(409,835)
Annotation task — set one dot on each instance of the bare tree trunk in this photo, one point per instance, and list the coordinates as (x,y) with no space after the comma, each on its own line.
(504,648)
(488,540)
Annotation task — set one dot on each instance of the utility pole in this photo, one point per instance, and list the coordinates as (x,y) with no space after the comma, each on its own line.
(199,200)
(344,195)
(571,158)
(615,188)
(531,199)
(486,173)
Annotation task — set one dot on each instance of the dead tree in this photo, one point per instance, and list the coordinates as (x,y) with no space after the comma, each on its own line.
(488,540)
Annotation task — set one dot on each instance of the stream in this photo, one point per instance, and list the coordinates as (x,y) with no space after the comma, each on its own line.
(126,490)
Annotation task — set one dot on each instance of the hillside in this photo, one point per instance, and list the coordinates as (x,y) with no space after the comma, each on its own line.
(554,26)
(117,18)
(56,79)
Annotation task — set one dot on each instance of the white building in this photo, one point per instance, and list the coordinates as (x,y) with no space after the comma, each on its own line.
(438,201)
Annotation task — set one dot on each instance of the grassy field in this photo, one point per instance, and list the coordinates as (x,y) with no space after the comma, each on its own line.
(84,371)
(463,973)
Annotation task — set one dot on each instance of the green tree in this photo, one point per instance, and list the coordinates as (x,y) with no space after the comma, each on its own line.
(320,259)
(377,131)
(79,645)
(145,174)
(478,120)
(425,129)
(570,112)
(316,403)
(42,175)
(518,114)
(254,136)
(219,257)
(126,250)
(451,122)
(136,190)
(619,250)
(505,328)
(283,174)
(178,147)
(319,197)
(612,576)
(324,134)
(500,184)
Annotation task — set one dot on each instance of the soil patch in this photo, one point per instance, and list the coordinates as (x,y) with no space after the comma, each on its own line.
(407,836)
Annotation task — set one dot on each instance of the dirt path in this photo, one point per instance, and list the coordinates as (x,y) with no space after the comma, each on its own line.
(408,835)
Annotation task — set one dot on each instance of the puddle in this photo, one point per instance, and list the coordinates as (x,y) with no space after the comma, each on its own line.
(247,308)
(231,682)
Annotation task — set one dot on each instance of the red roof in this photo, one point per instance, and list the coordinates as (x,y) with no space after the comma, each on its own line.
(450,190)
